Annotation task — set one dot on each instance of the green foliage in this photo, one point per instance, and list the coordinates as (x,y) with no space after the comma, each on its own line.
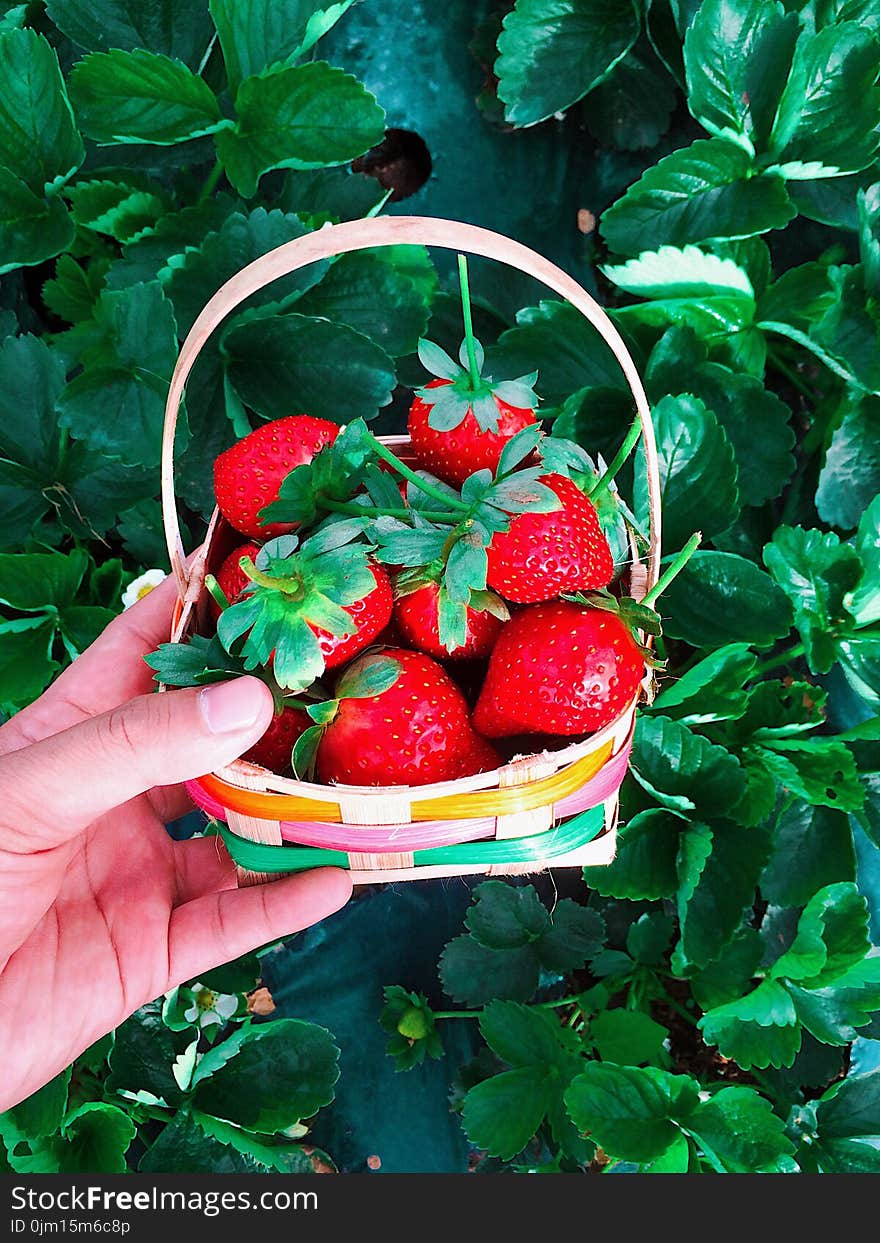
(150,152)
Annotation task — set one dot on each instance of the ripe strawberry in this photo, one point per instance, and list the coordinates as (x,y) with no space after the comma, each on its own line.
(542,555)
(418,622)
(455,454)
(231,578)
(371,613)
(413,732)
(480,757)
(558,668)
(247,476)
(274,748)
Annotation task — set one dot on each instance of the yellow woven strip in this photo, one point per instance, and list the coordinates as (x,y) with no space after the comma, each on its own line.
(452,807)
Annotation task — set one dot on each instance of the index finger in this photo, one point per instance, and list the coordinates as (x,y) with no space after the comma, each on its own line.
(108,673)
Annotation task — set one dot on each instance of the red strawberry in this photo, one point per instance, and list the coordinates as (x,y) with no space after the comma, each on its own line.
(455,454)
(371,614)
(558,668)
(481,757)
(248,475)
(274,748)
(418,623)
(413,733)
(231,578)
(542,555)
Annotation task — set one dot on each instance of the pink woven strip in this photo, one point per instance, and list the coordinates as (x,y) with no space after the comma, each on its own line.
(431,832)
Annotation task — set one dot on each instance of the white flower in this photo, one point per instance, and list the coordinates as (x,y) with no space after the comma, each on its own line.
(141,586)
(209,1007)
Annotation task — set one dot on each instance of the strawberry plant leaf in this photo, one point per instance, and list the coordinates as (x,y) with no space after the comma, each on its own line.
(39,142)
(680,272)
(698,474)
(32,229)
(831,938)
(512,936)
(177,28)
(816,571)
(553,52)
(281,122)
(281,1072)
(26,662)
(194,274)
(765,463)
(632,108)
(679,762)
(740,1130)
(820,770)
(140,96)
(850,475)
(728,976)
(859,659)
(629,1037)
(850,1109)
(736,55)
(330,370)
(719,868)
(712,689)
(835,1012)
(502,1114)
(758,1030)
(869,236)
(645,863)
(554,340)
(117,404)
(257,33)
(631,1112)
(700,192)
(830,109)
(720,597)
(812,847)
(369,293)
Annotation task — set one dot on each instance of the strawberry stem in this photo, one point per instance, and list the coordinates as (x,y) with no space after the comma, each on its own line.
(473,365)
(604,481)
(422,484)
(220,596)
(674,568)
(370,511)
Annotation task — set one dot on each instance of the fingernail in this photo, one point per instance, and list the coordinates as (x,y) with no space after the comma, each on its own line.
(229,707)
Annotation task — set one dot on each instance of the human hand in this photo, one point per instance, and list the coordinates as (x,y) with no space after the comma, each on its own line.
(100,910)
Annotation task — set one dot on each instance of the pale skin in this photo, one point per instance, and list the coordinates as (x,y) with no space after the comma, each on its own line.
(100,910)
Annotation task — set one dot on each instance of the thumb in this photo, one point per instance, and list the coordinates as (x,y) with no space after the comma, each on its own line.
(60,785)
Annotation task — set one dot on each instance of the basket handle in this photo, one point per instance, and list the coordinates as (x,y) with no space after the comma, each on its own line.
(338,239)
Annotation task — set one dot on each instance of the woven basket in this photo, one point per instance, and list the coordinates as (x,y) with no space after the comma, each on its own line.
(555,808)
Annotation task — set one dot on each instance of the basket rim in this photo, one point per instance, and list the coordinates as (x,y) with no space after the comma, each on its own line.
(337,239)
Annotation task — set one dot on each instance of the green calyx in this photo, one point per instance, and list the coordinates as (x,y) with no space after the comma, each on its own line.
(296,589)
(468,390)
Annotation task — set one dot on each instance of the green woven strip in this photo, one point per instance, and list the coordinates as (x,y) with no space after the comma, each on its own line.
(260,857)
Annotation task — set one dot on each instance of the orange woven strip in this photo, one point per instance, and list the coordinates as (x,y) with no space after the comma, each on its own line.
(451,807)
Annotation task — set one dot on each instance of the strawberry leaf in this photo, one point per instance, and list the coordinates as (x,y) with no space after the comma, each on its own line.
(372,675)
(335,473)
(451,620)
(518,449)
(305,752)
(399,544)
(435,359)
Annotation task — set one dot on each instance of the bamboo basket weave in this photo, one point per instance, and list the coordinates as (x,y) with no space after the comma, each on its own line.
(554,808)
